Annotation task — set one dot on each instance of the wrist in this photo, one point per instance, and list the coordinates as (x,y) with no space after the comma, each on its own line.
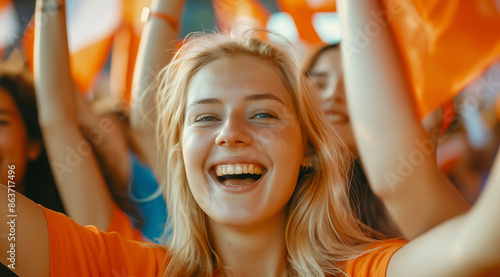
(50,6)
(172,8)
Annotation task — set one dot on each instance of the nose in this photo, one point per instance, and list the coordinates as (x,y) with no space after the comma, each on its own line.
(233,132)
(336,91)
(334,95)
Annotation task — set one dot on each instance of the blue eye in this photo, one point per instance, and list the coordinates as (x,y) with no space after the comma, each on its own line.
(205,117)
(264,115)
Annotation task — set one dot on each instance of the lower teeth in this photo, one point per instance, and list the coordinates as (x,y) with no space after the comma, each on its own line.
(234,182)
(229,185)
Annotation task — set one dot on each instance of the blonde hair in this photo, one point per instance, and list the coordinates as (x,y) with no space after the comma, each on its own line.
(321,229)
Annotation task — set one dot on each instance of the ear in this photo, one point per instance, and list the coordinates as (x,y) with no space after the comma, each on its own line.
(307,159)
(33,149)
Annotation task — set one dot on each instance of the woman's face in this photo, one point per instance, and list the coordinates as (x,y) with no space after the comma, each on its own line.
(15,149)
(328,79)
(242,143)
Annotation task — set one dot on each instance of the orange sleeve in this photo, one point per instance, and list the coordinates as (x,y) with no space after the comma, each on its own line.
(85,251)
(374,262)
(121,223)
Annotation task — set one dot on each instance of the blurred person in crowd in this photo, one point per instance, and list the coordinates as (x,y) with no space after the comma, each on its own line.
(325,76)
(21,143)
(122,157)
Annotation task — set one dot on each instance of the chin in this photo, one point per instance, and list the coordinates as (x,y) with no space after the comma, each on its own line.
(236,218)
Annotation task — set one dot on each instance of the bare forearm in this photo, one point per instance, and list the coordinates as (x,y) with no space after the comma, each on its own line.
(467,245)
(79,180)
(398,155)
(83,191)
(381,109)
(483,227)
(51,64)
(155,52)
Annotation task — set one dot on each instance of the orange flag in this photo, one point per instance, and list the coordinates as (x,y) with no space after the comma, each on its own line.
(444,44)
(229,13)
(125,47)
(302,12)
(91,27)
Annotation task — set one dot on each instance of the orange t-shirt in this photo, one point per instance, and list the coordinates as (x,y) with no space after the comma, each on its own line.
(121,223)
(86,251)
(375,261)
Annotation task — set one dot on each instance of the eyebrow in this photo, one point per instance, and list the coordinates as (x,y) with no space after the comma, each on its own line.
(264,96)
(252,97)
(206,101)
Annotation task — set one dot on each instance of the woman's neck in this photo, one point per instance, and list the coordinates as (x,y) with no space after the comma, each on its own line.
(252,251)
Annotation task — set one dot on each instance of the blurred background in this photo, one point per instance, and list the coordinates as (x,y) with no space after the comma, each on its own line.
(106,33)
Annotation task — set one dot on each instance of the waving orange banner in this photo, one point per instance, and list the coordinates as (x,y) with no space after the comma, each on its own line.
(444,44)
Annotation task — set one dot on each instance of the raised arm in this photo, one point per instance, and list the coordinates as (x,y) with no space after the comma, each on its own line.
(466,245)
(78,177)
(24,240)
(398,155)
(155,52)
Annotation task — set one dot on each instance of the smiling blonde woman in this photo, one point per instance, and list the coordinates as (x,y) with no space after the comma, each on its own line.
(255,183)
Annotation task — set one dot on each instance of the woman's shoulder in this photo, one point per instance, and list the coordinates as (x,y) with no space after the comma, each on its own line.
(373,258)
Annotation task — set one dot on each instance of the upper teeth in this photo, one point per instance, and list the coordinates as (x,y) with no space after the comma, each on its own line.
(233,169)
(336,117)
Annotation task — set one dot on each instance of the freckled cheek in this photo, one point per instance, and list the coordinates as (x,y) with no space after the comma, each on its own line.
(286,146)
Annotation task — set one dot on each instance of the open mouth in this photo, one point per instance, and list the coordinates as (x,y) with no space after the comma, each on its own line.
(238,174)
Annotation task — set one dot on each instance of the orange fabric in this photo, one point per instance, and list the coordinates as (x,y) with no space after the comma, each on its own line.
(302,12)
(4,3)
(125,48)
(444,45)
(85,64)
(374,263)
(85,251)
(230,13)
(120,223)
